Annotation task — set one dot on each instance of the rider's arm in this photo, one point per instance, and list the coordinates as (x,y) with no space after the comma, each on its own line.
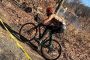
(49,19)
(56,17)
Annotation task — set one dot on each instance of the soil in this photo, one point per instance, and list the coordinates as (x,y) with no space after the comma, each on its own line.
(75,41)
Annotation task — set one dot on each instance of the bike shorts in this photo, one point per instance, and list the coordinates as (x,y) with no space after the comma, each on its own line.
(55,29)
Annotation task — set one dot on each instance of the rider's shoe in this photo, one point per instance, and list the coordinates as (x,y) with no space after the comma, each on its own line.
(39,48)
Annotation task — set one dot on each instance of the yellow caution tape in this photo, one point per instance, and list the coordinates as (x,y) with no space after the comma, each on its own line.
(18,44)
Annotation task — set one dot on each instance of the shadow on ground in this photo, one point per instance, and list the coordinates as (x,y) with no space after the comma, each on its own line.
(19,37)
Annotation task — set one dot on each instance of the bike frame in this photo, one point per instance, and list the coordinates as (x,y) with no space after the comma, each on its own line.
(38,40)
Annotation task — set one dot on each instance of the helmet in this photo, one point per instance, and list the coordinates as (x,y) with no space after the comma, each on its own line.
(49,11)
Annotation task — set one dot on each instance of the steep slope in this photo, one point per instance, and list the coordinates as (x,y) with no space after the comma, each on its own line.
(75,41)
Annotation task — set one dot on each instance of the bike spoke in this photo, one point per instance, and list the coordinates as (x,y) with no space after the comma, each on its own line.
(28,31)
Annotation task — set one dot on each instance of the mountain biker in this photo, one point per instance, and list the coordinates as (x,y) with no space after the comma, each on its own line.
(54,22)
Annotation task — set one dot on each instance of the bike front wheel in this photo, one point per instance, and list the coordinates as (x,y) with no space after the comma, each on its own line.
(28,31)
(51,52)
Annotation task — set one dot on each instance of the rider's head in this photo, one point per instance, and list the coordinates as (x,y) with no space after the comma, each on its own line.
(49,11)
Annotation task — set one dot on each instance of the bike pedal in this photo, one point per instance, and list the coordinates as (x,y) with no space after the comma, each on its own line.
(39,48)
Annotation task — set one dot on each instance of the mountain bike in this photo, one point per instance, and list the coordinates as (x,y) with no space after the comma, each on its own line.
(50,48)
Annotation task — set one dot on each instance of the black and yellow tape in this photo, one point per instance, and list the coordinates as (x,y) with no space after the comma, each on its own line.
(17,42)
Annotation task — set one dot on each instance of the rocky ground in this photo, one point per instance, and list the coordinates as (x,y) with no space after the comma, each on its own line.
(75,41)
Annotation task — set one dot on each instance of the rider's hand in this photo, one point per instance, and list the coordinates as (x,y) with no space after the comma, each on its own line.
(49,19)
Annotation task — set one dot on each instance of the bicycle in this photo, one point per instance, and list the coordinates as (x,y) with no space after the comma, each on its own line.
(48,45)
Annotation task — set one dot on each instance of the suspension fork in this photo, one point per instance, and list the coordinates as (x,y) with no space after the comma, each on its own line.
(43,34)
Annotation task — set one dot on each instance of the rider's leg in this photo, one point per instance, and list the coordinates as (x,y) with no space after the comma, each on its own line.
(50,38)
(42,36)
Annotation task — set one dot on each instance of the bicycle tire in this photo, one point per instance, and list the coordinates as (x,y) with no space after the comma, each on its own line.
(46,56)
(28,31)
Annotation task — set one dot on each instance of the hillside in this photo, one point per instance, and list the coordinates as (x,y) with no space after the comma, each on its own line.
(75,40)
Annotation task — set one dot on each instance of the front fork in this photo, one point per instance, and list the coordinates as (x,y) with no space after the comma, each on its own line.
(41,35)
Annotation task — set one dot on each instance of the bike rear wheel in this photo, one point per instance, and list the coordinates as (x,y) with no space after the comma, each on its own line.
(52,52)
(28,31)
